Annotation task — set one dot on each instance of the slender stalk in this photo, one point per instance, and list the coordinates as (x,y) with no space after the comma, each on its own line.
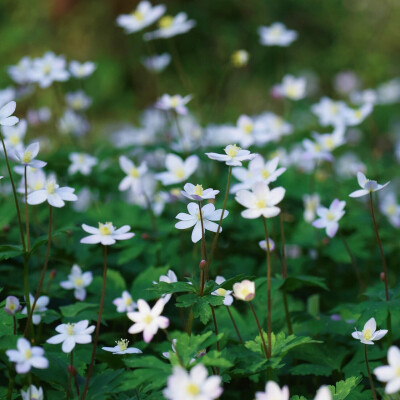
(14,325)
(96,337)
(378,238)
(46,261)
(174,347)
(215,325)
(215,240)
(234,325)
(269,325)
(10,385)
(153,223)
(178,66)
(70,374)
(287,313)
(259,330)
(28,239)
(353,261)
(180,132)
(371,383)
(203,250)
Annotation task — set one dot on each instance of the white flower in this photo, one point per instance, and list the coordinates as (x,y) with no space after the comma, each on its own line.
(20,73)
(261,201)
(26,357)
(323,393)
(197,192)
(244,290)
(273,392)
(78,100)
(369,333)
(240,58)
(311,203)
(81,162)
(134,175)
(176,103)
(157,63)
(12,305)
(233,156)
(14,136)
(209,214)
(125,303)
(313,150)
(106,234)
(367,186)
(148,320)
(48,69)
(276,35)
(193,385)
(143,16)
(355,117)
(78,281)
(27,156)
(226,294)
(122,348)
(33,393)
(293,88)
(329,217)
(171,26)
(53,194)
(390,373)
(81,70)
(72,334)
(40,308)
(6,117)
(73,123)
(36,179)
(178,170)
(39,116)
(390,208)
(263,244)
(169,278)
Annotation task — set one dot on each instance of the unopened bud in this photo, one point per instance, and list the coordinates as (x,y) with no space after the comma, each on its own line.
(53,274)
(325,241)
(6,228)
(382,276)
(72,370)
(203,264)
(145,236)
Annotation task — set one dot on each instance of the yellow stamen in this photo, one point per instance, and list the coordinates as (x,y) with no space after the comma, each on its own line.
(70,329)
(179,173)
(78,281)
(367,334)
(51,187)
(134,172)
(138,15)
(192,389)
(221,291)
(198,190)
(28,354)
(123,344)
(14,139)
(148,319)
(330,216)
(27,157)
(261,203)
(166,22)
(232,150)
(265,173)
(105,229)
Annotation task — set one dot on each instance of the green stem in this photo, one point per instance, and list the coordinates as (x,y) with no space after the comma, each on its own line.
(28,240)
(269,324)
(175,347)
(353,261)
(234,325)
(287,314)
(70,374)
(203,250)
(259,329)
(10,385)
(371,383)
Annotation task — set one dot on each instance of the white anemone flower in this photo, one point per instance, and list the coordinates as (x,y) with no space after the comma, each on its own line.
(32,393)
(263,244)
(329,217)
(245,290)
(81,70)
(369,333)
(40,308)
(48,69)
(81,162)
(273,392)
(122,348)
(36,179)
(14,136)
(125,303)
(53,194)
(193,385)
(176,103)
(78,100)
(311,203)
(197,192)
(26,357)
(367,185)
(357,116)
(20,73)
(156,63)
(106,234)
(390,208)
(390,374)
(261,201)
(293,88)
(226,294)
(12,305)
(134,175)
(209,214)
(78,281)
(240,58)
(323,393)
(233,156)
(71,334)
(143,16)
(148,320)
(178,170)
(170,277)
(276,35)
(6,117)
(27,156)
(171,26)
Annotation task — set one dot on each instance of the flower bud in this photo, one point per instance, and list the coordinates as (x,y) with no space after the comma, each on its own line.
(244,290)
(382,275)
(72,370)
(203,264)
(53,274)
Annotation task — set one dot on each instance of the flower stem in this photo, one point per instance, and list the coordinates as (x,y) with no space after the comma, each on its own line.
(10,385)
(215,325)
(353,261)
(28,240)
(259,330)
(70,374)
(14,325)
(96,337)
(287,313)
(269,327)
(203,250)
(46,261)
(215,240)
(234,325)
(371,383)
(176,350)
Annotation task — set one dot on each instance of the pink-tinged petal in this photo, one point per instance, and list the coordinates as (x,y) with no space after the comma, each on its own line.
(92,239)
(319,223)
(148,334)
(331,229)
(143,306)
(198,374)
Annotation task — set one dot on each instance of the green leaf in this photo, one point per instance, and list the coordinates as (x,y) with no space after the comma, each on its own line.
(10,251)
(75,309)
(311,369)
(170,288)
(344,388)
(144,281)
(293,283)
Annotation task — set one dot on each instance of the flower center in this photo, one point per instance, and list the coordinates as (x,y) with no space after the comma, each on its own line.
(174,101)
(232,150)
(78,281)
(165,22)
(358,114)
(123,344)
(12,307)
(27,157)
(221,291)
(276,32)
(105,229)
(70,329)
(148,319)
(367,334)
(128,301)
(192,389)
(334,109)
(265,173)
(292,90)
(14,139)
(28,354)
(244,293)
(329,143)
(330,216)
(47,69)
(391,210)
(198,190)
(138,15)
(38,185)
(261,203)
(77,103)
(134,172)
(179,173)
(51,187)
(248,128)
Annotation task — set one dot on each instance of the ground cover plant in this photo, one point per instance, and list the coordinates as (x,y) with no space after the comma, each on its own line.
(191,246)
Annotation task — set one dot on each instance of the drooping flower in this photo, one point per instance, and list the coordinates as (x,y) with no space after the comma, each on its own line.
(106,234)
(32,393)
(263,244)
(170,277)
(122,348)
(40,308)
(81,70)
(233,156)
(71,334)
(273,392)
(26,357)
(178,170)
(78,281)
(244,290)
(171,26)
(369,333)
(81,162)
(133,176)
(6,117)
(329,217)
(226,294)
(148,320)
(27,157)
(125,303)
(293,88)
(12,305)
(276,35)
(209,214)
(175,103)
(261,201)
(367,185)
(197,192)
(193,385)
(390,374)
(53,194)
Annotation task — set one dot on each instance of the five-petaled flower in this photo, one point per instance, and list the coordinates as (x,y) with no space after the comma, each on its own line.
(106,234)
(233,156)
(367,185)
(390,373)
(369,333)
(122,348)
(78,281)
(329,217)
